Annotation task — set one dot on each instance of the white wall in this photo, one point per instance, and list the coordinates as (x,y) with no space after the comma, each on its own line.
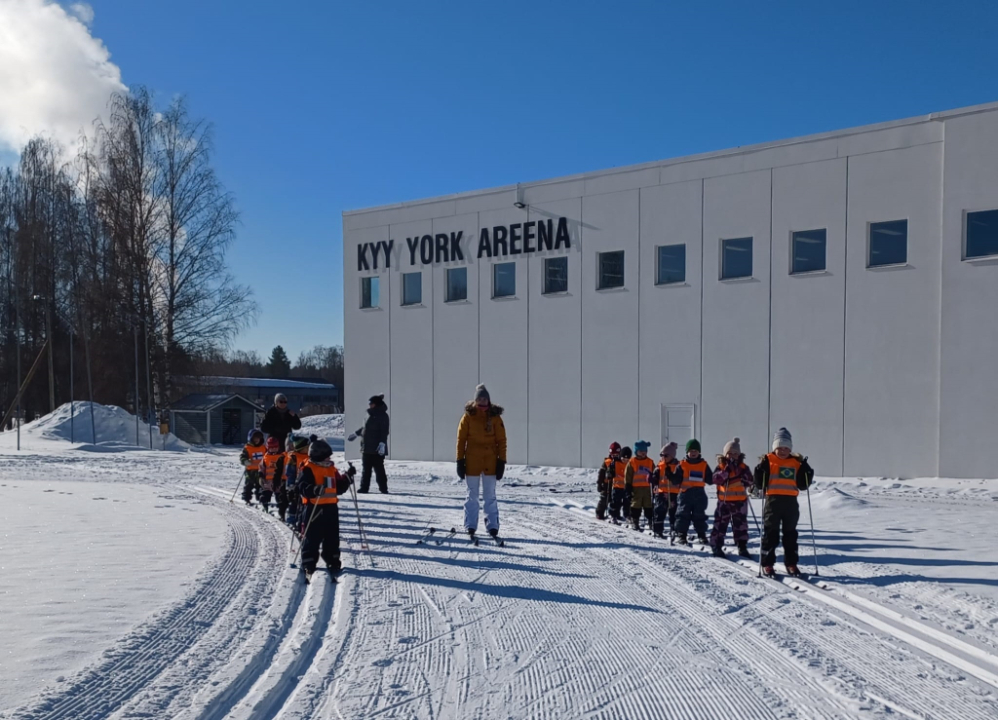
(892,317)
(808,313)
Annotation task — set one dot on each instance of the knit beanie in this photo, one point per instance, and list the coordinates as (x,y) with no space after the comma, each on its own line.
(280,396)
(735,445)
(481,392)
(642,446)
(669,449)
(781,438)
(693,444)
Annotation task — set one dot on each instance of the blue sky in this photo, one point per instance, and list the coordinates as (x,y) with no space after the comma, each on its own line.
(320,107)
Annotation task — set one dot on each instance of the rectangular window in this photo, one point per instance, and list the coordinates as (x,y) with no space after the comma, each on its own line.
(369,292)
(457,284)
(412,288)
(611,270)
(504,280)
(671,265)
(555,275)
(982,234)
(888,243)
(807,251)
(736,258)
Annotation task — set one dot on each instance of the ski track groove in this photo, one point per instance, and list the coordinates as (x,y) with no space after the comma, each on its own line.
(136,660)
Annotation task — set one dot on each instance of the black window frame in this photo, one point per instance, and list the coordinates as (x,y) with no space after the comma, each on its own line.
(546,283)
(495,284)
(373,299)
(967,233)
(880,227)
(447,284)
(601,277)
(793,250)
(658,264)
(751,249)
(405,289)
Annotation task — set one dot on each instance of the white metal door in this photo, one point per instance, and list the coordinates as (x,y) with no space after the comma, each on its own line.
(678,423)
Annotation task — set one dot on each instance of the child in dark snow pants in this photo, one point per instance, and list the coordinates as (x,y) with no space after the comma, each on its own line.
(250,458)
(322,484)
(605,478)
(732,480)
(781,474)
(665,492)
(620,495)
(693,474)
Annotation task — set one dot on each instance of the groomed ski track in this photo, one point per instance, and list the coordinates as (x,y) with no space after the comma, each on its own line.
(572,618)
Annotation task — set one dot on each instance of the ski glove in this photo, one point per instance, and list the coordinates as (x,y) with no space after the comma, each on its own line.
(460,469)
(500,469)
(352,436)
(382,450)
(351,472)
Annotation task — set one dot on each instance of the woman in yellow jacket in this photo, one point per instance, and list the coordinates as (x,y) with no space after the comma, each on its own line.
(481,458)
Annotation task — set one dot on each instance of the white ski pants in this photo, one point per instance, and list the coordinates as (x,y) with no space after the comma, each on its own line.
(488,483)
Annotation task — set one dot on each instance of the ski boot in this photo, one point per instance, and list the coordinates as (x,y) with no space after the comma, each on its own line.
(307,574)
(743,550)
(702,539)
(471,536)
(681,539)
(793,571)
(768,571)
(716,551)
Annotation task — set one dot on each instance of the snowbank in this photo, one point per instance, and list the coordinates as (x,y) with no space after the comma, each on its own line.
(115,429)
(325,426)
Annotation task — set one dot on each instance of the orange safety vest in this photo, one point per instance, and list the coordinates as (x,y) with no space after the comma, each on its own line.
(256,453)
(733,491)
(694,474)
(294,459)
(325,476)
(782,476)
(664,486)
(642,479)
(268,470)
(618,475)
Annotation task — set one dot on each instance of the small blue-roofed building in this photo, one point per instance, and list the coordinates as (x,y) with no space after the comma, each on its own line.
(306,396)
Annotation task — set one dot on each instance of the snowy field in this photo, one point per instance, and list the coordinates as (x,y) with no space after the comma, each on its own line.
(131,587)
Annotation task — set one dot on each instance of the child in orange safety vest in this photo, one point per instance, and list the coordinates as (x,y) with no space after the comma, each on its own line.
(732,479)
(250,458)
(271,473)
(638,478)
(781,474)
(691,476)
(296,456)
(604,479)
(666,494)
(321,483)
(619,494)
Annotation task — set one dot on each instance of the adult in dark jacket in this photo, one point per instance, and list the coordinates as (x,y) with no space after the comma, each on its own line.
(374,444)
(279,422)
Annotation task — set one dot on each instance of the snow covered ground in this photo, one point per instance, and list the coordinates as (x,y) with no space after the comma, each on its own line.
(325,426)
(173,602)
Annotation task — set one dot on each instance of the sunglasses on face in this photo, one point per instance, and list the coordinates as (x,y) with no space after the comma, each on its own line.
(282,402)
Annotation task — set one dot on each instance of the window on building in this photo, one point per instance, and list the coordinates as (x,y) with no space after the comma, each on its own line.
(369,292)
(504,280)
(671,265)
(611,270)
(888,243)
(412,288)
(555,275)
(736,258)
(982,234)
(457,284)
(807,251)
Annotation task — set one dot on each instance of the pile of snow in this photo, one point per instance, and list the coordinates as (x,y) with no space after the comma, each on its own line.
(325,426)
(71,423)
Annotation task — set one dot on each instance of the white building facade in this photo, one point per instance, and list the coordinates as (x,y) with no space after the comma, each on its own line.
(842,285)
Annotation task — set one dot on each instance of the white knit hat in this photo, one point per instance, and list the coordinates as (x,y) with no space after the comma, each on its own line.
(735,445)
(781,438)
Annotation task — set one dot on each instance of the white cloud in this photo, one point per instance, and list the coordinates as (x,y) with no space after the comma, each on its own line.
(55,78)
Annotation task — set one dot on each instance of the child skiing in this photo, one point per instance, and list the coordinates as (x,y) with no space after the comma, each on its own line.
(638,477)
(604,479)
(619,494)
(781,474)
(250,458)
(731,478)
(297,454)
(691,476)
(322,483)
(666,494)
(271,472)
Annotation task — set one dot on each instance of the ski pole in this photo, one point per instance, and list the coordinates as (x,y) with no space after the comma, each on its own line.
(316,511)
(814,546)
(241,478)
(758,529)
(360,525)
(762,537)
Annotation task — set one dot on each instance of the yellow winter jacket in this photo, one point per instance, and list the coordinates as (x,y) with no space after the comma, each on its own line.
(481,439)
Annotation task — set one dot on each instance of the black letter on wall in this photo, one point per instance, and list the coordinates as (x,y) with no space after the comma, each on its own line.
(562,236)
(443,253)
(528,235)
(456,253)
(499,233)
(544,235)
(484,246)
(362,263)
(426,249)
(412,243)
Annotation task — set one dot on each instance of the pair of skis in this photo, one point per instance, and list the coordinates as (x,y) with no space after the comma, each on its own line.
(430,533)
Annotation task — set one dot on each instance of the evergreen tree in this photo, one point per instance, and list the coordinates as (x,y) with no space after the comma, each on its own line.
(279,365)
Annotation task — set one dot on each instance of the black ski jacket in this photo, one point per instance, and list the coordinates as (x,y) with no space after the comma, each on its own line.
(375,430)
(280,424)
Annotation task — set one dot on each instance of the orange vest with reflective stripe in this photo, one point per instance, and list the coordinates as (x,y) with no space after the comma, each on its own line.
(618,475)
(694,473)
(268,470)
(782,476)
(256,453)
(642,479)
(733,491)
(664,486)
(325,476)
